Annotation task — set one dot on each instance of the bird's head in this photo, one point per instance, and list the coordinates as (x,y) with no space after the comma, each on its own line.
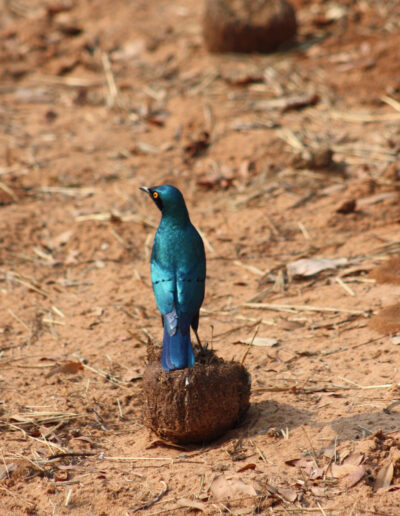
(168,199)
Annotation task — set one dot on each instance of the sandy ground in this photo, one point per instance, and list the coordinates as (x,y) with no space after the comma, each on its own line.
(284,157)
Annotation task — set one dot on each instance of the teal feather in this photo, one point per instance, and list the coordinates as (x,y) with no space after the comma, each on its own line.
(178,270)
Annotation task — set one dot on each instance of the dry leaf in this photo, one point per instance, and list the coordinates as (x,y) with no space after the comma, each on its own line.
(393,488)
(307,466)
(385,475)
(318,491)
(262,342)
(354,458)
(344,454)
(71,367)
(246,467)
(68,367)
(225,488)
(271,489)
(287,103)
(244,80)
(310,266)
(192,504)
(355,476)
(344,470)
(340,470)
(387,320)
(295,462)
(288,494)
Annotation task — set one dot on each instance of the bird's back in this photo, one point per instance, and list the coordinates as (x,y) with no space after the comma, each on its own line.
(178,268)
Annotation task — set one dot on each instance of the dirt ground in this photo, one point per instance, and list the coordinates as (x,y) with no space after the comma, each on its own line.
(283,157)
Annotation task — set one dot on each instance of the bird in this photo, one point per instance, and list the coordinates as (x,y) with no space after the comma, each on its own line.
(178,274)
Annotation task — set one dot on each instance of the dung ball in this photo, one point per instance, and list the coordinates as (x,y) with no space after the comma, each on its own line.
(248,25)
(197,404)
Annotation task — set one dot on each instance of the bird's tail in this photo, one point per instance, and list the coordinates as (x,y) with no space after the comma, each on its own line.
(177,351)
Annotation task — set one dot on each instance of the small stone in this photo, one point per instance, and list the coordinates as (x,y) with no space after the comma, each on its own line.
(315,159)
(248,25)
(274,432)
(346,207)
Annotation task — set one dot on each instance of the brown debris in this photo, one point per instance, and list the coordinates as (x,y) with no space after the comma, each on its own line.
(387,320)
(346,207)
(315,159)
(225,488)
(197,404)
(198,146)
(384,476)
(67,367)
(292,102)
(388,272)
(242,26)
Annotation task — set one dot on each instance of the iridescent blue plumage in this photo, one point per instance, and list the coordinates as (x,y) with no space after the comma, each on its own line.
(178,269)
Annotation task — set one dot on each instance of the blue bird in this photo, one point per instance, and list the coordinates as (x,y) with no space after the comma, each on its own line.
(178,273)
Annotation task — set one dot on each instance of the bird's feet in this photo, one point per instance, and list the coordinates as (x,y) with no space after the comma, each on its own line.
(200,346)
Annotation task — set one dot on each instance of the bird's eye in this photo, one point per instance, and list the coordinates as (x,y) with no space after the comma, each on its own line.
(155,195)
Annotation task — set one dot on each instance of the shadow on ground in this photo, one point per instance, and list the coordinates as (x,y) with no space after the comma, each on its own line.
(269,415)
(362,425)
(266,415)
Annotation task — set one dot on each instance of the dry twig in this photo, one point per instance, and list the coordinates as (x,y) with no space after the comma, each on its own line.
(303,308)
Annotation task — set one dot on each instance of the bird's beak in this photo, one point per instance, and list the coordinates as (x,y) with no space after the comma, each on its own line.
(145,189)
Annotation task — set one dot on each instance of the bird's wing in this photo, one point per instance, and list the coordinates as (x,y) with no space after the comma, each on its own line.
(190,278)
(190,288)
(163,286)
(179,286)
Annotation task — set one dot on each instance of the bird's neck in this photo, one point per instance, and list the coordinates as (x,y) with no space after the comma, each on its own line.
(173,222)
(178,218)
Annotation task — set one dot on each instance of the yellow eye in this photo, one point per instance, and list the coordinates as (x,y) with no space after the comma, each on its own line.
(155,195)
